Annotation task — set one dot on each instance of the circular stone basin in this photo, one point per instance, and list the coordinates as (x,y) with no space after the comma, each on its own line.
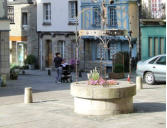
(99,100)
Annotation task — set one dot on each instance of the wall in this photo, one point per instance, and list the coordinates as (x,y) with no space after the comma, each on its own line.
(4,39)
(59,16)
(4,52)
(2,9)
(133,19)
(121,13)
(69,41)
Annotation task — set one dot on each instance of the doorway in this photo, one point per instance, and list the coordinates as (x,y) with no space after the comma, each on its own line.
(48,53)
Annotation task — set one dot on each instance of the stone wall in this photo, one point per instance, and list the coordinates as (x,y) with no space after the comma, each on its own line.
(69,47)
(4,52)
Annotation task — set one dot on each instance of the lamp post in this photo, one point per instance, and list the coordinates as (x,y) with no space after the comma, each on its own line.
(77,47)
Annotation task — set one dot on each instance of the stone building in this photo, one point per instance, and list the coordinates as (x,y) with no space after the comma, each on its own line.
(56,27)
(4,39)
(23,35)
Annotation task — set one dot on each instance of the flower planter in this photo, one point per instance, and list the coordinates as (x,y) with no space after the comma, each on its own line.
(99,100)
(113,75)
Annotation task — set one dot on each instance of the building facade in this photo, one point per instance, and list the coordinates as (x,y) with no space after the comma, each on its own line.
(118,15)
(57,25)
(153,28)
(4,39)
(23,27)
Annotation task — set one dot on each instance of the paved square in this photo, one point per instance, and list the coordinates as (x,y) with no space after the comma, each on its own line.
(53,106)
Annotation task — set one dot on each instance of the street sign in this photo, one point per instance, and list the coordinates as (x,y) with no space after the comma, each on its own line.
(91,33)
(109,32)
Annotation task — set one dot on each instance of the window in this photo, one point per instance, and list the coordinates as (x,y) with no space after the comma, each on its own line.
(152,61)
(161,60)
(100,51)
(46,12)
(156,8)
(96,17)
(113,50)
(162,46)
(156,49)
(156,45)
(73,9)
(24,18)
(150,47)
(11,14)
(112,17)
(106,53)
(61,47)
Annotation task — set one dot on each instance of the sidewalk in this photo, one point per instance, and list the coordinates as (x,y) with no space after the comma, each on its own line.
(53,106)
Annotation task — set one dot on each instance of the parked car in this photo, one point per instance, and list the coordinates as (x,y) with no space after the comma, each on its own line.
(153,69)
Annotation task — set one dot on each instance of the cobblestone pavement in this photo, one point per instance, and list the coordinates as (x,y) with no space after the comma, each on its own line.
(53,106)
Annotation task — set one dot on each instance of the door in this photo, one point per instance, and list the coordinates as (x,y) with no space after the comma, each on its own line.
(48,53)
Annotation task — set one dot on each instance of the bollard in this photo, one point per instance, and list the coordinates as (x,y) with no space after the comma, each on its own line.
(139,84)
(28,95)
(80,74)
(0,81)
(3,80)
(49,72)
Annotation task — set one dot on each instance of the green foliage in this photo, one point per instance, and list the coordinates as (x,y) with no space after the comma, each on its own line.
(94,75)
(15,67)
(118,68)
(13,74)
(31,59)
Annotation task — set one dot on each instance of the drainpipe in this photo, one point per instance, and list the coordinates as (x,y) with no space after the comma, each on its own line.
(0,56)
(41,50)
(38,51)
(84,55)
(139,34)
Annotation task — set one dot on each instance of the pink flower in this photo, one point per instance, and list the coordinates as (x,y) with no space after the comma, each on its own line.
(102,81)
(93,82)
(111,82)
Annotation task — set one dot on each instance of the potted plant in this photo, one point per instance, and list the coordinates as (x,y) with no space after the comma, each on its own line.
(95,79)
(13,74)
(30,61)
